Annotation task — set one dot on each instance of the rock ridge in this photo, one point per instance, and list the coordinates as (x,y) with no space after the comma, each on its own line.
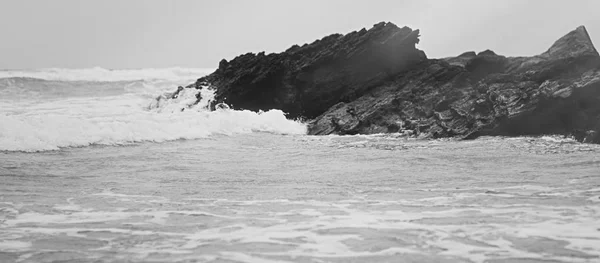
(556,92)
(304,81)
(377,81)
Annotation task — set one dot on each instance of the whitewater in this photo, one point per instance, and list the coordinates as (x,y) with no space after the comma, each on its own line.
(98,165)
(51,109)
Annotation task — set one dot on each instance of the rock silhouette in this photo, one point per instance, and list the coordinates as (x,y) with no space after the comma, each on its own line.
(376,81)
(304,81)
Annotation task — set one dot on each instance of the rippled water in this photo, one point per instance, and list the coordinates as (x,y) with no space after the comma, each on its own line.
(262,197)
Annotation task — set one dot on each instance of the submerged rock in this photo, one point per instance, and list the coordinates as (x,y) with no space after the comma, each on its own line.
(376,81)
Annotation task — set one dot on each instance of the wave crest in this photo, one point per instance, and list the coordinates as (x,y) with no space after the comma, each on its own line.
(42,133)
(128,118)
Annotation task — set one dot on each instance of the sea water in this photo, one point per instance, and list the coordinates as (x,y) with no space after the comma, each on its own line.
(95,168)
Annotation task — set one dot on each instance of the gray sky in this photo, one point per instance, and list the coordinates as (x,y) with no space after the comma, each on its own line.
(198,33)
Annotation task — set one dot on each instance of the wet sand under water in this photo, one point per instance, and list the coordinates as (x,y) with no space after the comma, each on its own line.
(263,197)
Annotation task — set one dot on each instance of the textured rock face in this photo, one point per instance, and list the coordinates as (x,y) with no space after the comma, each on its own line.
(305,81)
(376,81)
(556,92)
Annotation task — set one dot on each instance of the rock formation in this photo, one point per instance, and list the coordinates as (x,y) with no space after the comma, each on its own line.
(376,81)
(304,81)
(557,92)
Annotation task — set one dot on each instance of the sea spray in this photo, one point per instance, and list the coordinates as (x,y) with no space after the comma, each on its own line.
(119,113)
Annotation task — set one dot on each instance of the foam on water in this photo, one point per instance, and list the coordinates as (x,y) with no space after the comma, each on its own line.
(73,108)
(219,200)
(363,198)
(328,230)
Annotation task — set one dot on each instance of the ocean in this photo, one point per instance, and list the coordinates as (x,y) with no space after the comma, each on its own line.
(95,168)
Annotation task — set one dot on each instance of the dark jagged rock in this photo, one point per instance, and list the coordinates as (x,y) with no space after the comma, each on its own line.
(557,92)
(376,81)
(304,81)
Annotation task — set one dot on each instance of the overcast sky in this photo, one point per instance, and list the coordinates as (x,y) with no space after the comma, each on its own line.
(198,33)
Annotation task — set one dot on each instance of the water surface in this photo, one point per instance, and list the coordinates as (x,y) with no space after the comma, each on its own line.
(99,165)
(264,197)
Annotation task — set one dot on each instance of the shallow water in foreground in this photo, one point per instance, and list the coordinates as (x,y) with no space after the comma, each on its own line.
(262,197)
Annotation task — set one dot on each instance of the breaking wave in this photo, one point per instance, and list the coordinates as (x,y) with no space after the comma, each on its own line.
(49,110)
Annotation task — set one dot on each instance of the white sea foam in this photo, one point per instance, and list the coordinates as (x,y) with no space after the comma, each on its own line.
(9,245)
(131,114)
(54,130)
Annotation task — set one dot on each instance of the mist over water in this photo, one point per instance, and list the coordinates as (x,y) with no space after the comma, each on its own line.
(94,169)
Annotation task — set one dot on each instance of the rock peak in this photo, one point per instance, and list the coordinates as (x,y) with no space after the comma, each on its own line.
(384,24)
(575,43)
(305,81)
